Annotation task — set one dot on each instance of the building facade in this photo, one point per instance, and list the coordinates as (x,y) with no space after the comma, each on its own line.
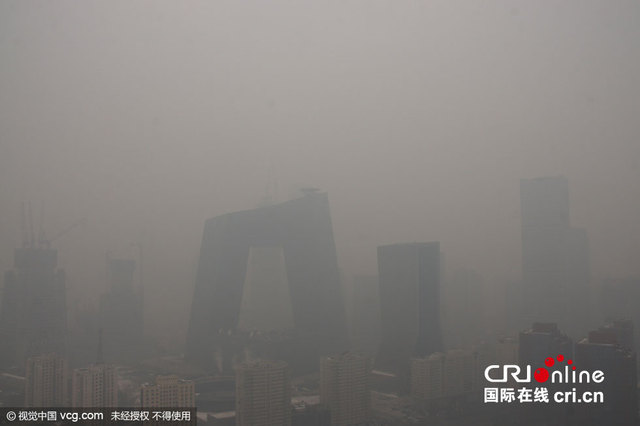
(555,257)
(345,388)
(47,381)
(168,391)
(298,231)
(33,314)
(94,386)
(263,393)
(409,276)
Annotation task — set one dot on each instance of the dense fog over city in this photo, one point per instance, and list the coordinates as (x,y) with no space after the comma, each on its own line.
(126,125)
(417,118)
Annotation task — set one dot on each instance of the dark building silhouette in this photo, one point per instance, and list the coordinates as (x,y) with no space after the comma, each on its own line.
(409,276)
(121,311)
(302,230)
(33,316)
(541,341)
(603,351)
(555,257)
(619,299)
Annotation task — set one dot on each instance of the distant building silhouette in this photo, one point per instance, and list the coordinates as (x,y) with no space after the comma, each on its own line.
(409,277)
(33,316)
(452,374)
(619,299)
(602,351)
(47,381)
(235,247)
(541,341)
(345,388)
(555,257)
(263,393)
(168,391)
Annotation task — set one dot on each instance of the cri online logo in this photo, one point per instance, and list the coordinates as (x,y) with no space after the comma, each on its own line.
(541,375)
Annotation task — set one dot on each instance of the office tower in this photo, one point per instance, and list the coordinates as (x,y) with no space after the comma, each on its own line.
(541,341)
(94,386)
(365,315)
(299,230)
(169,391)
(555,257)
(409,277)
(451,374)
(33,316)
(506,351)
(427,376)
(619,406)
(47,381)
(345,388)
(624,331)
(121,311)
(618,299)
(263,393)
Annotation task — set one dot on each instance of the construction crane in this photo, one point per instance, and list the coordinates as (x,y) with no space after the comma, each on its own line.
(47,243)
(28,234)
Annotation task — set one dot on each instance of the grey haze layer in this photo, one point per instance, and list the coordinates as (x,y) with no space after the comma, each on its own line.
(302,227)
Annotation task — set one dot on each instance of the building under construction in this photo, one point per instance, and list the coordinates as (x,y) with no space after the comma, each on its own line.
(33,315)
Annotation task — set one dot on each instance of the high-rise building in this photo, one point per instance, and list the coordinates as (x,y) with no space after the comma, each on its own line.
(541,341)
(618,299)
(94,386)
(619,405)
(409,277)
(555,257)
(168,391)
(33,316)
(506,351)
(121,310)
(294,242)
(452,374)
(427,377)
(345,388)
(263,393)
(47,381)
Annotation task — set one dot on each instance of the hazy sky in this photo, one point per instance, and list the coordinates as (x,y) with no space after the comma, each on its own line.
(418,118)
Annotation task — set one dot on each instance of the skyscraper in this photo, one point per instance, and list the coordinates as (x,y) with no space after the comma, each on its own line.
(541,341)
(555,257)
(263,393)
(94,386)
(294,241)
(46,381)
(409,277)
(345,388)
(33,316)
(602,351)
